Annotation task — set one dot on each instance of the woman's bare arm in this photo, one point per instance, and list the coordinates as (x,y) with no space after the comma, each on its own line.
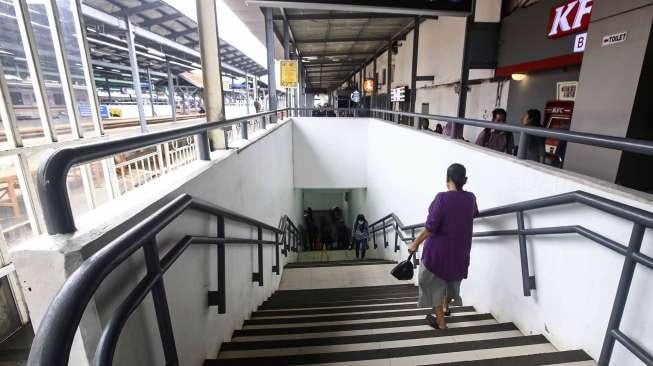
(419,239)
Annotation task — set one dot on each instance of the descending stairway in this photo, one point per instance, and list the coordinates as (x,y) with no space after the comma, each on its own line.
(379,325)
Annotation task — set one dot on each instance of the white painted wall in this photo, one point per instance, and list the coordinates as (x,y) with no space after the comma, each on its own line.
(331,157)
(256,182)
(323,199)
(576,279)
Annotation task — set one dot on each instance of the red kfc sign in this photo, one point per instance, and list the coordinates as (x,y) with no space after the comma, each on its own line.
(571,17)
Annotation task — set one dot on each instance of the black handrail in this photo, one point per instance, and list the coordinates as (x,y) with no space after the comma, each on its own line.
(53,171)
(619,143)
(641,220)
(53,341)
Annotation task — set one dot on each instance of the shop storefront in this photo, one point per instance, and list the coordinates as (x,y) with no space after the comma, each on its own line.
(543,64)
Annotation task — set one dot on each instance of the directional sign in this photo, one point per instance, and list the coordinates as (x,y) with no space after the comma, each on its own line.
(356,96)
(398,94)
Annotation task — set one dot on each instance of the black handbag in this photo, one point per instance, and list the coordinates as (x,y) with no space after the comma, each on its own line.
(404,270)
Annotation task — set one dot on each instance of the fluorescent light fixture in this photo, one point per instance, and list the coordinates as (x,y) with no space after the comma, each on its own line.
(195,64)
(518,77)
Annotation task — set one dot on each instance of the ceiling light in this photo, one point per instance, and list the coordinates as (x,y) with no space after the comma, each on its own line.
(518,77)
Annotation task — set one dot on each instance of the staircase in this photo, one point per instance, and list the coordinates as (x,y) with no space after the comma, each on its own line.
(379,325)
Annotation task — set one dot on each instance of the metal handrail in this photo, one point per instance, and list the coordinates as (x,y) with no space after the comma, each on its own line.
(641,220)
(619,143)
(53,171)
(53,340)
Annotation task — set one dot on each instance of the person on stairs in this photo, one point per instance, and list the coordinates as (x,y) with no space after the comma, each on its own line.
(360,234)
(445,257)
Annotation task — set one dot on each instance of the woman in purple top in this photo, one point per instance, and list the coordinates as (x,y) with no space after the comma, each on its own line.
(448,235)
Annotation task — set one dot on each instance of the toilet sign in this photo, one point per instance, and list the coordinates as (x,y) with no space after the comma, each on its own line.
(610,39)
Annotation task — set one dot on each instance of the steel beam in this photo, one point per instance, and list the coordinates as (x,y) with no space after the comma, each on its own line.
(7,113)
(270,46)
(413,75)
(341,16)
(136,78)
(151,90)
(457,130)
(341,39)
(63,66)
(87,69)
(34,65)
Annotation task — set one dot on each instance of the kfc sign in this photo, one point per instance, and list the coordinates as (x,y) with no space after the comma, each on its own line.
(570,17)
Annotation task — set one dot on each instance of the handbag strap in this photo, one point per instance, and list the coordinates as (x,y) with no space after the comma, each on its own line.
(410,256)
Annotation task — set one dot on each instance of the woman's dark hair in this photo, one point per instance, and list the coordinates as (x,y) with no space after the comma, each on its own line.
(498,111)
(360,217)
(458,175)
(534,117)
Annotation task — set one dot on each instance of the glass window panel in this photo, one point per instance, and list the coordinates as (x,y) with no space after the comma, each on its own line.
(14,220)
(48,62)
(17,74)
(9,317)
(76,192)
(74,57)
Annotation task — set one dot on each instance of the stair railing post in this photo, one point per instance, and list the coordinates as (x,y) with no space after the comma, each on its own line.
(153,265)
(258,276)
(523,146)
(625,280)
(244,129)
(374,237)
(218,297)
(396,237)
(385,236)
(276,267)
(528,282)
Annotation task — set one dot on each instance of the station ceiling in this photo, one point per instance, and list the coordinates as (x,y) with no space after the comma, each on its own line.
(333,44)
(161,19)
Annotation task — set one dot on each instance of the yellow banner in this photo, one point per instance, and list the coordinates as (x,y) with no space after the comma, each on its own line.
(289,73)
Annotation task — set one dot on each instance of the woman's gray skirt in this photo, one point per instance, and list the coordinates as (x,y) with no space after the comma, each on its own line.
(432,290)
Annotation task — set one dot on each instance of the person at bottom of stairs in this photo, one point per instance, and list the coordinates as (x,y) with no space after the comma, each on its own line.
(360,234)
(448,240)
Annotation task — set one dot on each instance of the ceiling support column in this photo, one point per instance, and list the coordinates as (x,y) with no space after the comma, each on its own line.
(136,78)
(272,79)
(207,25)
(413,75)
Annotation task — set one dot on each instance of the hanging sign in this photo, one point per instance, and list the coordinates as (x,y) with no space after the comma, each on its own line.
(356,96)
(398,94)
(570,17)
(289,73)
(566,90)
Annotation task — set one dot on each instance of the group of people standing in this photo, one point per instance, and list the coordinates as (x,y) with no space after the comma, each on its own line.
(503,141)
(333,233)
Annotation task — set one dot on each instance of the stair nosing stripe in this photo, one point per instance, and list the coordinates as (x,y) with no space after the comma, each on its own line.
(538,359)
(354,326)
(419,334)
(388,300)
(375,354)
(334,310)
(346,317)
